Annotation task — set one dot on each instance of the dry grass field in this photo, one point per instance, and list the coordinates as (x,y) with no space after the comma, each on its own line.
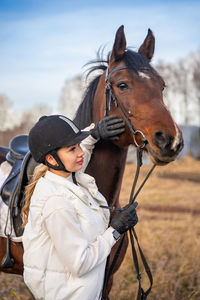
(168,231)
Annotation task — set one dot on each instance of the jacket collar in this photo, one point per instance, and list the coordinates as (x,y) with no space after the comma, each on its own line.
(83,180)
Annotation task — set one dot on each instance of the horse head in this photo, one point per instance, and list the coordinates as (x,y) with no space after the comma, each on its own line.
(137,89)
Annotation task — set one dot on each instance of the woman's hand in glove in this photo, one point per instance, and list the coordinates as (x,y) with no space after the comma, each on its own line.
(125,219)
(108,128)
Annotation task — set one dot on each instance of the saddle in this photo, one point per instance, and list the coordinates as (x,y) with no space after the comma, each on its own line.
(12,190)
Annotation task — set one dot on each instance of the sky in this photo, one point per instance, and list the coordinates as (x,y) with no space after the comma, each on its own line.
(43,43)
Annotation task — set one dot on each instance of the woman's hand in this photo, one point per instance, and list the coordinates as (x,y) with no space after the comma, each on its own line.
(108,128)
(125,219)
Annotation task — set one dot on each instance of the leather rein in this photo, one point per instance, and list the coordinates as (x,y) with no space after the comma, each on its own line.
(141,294)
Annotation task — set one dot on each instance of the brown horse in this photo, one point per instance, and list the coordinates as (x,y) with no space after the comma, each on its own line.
(138,90)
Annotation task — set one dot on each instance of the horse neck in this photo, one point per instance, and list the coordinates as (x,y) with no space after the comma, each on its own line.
(108,160)
(107,167)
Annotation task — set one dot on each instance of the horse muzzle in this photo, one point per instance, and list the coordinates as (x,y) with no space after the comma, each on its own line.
(165,147)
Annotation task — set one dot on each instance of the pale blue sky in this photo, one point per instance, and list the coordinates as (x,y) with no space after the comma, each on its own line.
(45,42)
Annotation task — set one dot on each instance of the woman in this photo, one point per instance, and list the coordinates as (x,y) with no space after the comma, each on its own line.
(67,236)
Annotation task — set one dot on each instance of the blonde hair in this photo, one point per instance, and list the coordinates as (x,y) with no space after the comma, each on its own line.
(39,172)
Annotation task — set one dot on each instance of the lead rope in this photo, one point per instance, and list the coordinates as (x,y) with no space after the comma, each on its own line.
(141,294)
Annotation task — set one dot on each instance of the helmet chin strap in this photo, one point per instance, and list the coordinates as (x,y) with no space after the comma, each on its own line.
(60,166)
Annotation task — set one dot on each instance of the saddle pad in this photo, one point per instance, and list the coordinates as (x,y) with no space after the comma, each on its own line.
(5,169)
(15,239)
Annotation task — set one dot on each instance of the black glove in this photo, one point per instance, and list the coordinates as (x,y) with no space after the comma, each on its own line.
(126,219)
(108,128)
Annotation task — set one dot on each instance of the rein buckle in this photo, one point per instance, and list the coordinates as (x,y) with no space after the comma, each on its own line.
(143,139)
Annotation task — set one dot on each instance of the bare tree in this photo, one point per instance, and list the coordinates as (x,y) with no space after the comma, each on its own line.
(5,106)
(182,94)
(71,97)
(30,117)
(27,120)
(182,80)
(170,94)
(196,82)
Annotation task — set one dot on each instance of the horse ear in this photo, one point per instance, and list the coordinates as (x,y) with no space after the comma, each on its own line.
(147,48)
(119,46)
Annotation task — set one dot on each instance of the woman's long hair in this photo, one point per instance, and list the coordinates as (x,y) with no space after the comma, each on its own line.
(39,172)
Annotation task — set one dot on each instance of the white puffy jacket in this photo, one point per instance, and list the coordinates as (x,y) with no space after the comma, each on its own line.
(67,240)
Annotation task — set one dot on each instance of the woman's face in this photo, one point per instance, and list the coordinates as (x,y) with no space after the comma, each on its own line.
(71,157)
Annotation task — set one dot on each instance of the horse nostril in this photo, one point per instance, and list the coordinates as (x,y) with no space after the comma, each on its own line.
(162,140)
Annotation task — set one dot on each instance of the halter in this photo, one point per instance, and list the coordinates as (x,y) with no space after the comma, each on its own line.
(109,97)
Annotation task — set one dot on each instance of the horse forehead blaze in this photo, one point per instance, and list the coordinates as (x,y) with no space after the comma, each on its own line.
(143,75)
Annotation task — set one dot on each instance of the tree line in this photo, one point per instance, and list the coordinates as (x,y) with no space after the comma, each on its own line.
(182,93)
(182,97)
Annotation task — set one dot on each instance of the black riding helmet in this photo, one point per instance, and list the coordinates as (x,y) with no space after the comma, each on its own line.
(51,133)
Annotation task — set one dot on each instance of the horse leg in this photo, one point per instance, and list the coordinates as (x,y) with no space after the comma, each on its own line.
(16,251)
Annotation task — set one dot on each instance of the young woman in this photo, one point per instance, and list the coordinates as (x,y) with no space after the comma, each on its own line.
(67,235)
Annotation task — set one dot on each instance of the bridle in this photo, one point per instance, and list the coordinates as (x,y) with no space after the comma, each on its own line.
(109,97)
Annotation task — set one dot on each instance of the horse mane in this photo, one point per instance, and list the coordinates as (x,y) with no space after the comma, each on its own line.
(133,60)
(83,117)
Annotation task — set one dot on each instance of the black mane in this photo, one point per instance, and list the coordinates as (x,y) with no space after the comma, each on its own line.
(83,116)
(133,60)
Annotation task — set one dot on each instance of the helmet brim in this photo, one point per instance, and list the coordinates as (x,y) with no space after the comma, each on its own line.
(78,139)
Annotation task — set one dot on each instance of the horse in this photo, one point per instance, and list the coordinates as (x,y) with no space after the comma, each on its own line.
(129,87)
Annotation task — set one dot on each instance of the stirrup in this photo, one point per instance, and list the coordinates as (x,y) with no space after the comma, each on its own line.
(7,261)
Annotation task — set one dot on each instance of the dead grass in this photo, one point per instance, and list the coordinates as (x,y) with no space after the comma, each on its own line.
(169,234)
(12,287)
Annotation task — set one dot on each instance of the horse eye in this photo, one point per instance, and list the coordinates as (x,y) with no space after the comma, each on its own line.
(163,87)
(122,86)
